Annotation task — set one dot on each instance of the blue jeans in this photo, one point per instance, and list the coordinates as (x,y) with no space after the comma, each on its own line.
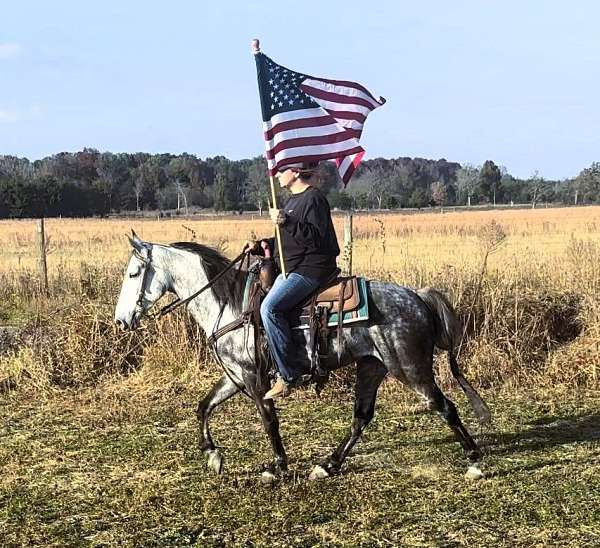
(284,296)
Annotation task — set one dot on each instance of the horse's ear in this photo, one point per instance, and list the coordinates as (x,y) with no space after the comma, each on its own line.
(135,242)
(136,238)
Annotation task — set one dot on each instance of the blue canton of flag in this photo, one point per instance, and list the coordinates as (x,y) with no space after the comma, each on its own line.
(284,93)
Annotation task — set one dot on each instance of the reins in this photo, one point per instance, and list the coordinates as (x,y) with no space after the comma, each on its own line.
(180,302)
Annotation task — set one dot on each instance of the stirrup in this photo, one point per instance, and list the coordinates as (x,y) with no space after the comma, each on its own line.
(320,379)
(303,380)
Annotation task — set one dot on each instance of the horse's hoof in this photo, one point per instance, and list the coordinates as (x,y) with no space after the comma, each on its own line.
(215,462)
(474,472)
(318,472)
(268,478)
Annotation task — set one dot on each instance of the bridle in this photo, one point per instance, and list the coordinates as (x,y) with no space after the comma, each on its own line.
(139,303)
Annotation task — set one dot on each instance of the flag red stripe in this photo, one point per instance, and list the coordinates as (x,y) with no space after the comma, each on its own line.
(356,133)
(348,133)
(347,175)
(313,158)
(347,115)
(354,85)
(309,141)
(299,123)
(336,97)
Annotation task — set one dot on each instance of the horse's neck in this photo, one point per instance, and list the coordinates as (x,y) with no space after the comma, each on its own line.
(187,277)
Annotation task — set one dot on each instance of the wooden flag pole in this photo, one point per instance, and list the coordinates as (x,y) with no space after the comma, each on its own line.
(278,230)
(255,50)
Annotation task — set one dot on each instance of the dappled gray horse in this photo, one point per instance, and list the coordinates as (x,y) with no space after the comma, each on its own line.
(399,339)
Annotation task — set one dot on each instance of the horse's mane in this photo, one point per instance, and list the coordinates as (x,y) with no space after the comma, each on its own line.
(228,289)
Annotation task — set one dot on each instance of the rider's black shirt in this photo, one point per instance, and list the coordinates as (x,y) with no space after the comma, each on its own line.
(310,244)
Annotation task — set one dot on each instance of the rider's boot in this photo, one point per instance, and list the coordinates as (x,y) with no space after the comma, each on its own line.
(280,389)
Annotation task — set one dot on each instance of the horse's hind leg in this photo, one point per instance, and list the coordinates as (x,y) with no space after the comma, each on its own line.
(220,392)
(369,374)
(437,401)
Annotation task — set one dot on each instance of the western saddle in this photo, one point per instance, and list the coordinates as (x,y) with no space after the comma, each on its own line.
(338,295)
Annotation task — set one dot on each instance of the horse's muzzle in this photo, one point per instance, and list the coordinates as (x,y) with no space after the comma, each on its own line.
(129,324)
(122,325)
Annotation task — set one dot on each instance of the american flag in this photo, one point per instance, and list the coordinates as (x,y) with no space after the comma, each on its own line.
(311,119)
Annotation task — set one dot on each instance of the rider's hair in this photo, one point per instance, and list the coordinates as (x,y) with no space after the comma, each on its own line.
(306,175)
(309,171)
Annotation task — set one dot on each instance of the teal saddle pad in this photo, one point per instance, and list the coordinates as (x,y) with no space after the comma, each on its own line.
(359,314)
(299,321)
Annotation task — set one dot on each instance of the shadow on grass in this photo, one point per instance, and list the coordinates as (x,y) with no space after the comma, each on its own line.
(538,436)
(544,433)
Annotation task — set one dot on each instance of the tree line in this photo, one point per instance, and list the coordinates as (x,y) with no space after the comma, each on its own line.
(93,183)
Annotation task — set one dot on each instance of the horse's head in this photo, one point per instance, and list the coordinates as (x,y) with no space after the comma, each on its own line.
(143,284)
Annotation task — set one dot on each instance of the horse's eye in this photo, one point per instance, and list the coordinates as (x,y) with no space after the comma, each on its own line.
(134,274)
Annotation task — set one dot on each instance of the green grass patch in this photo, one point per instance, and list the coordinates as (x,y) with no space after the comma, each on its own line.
(14,313)
(83,470)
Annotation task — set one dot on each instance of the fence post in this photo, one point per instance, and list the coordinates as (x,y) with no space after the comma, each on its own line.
(41,246)
(348,245)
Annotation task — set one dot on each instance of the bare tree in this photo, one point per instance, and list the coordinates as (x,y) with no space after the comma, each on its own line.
(379,183)
(257,184)
(138,176)
(438,193)
(181,194)
(537,185)
(467,178)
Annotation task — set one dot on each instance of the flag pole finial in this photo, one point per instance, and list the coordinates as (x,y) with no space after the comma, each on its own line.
(256,46)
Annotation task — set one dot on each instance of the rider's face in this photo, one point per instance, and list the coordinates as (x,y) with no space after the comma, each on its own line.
(286,177)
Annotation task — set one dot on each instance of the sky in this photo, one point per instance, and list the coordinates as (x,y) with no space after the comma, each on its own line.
(517,82)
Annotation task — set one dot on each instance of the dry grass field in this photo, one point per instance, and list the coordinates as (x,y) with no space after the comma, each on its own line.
(536,307)
(97,443)
(537,239)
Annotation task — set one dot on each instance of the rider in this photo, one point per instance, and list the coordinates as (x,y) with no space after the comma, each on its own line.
(310,249)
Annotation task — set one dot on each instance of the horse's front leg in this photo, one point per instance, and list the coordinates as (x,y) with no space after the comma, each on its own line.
(220,392)
(266,408)
(268,414)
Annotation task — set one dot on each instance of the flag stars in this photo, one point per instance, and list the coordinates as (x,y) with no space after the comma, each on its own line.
(283,91)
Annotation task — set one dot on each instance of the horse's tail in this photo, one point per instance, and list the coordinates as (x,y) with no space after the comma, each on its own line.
(447,337)
(447,326)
